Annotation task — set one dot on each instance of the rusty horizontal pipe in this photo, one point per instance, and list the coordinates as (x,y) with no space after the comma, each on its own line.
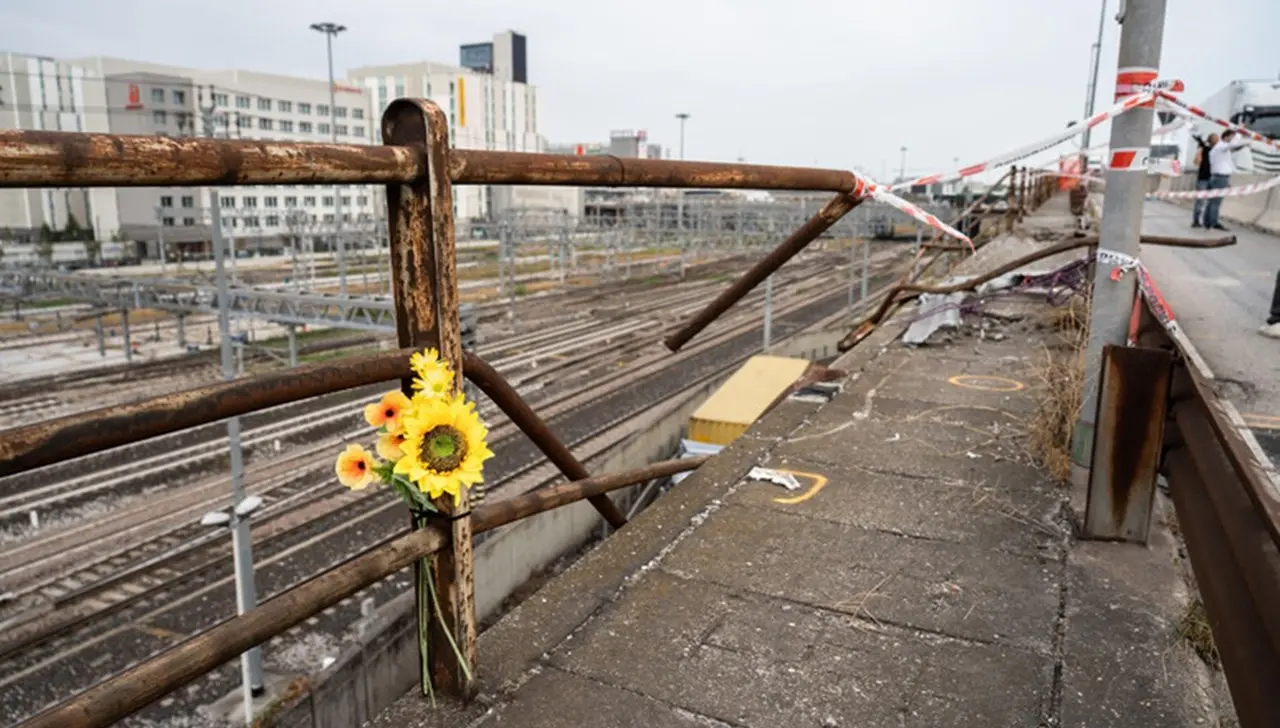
(473,166)
(71,159)
(509,401)
(64,438)
(863,329)
(1181,242)
(493,515)
(765,267)
(144,683)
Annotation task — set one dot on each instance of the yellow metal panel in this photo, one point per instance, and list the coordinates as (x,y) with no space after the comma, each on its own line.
(745,396)
(462,101)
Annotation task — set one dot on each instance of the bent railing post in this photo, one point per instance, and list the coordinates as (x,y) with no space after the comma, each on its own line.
(426,300)
(829,215)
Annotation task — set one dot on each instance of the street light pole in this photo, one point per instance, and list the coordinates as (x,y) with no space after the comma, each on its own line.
(1094,63)
(1141,38)
(331,30)
(241,542)
(683,117)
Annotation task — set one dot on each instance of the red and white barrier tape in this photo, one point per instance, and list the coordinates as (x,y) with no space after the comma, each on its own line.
(1172,103)
(1238,191)
(1035,147)
(1146,284)
(881,193)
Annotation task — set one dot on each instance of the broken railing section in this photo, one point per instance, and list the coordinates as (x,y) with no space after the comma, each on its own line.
(1224,491)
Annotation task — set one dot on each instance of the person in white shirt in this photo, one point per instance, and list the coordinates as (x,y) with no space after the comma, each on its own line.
(1221,167)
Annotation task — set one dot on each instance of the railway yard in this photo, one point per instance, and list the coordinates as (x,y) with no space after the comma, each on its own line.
(103,560)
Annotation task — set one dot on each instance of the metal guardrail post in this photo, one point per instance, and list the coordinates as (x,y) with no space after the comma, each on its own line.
(426,300)
(1011,213)
(1128,442)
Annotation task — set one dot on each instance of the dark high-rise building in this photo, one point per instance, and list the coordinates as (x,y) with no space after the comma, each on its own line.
(505,57)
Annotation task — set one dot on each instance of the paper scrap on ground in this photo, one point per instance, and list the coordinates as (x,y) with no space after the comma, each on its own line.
(778,477)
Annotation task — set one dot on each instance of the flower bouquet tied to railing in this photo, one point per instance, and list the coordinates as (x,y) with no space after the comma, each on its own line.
(429,445)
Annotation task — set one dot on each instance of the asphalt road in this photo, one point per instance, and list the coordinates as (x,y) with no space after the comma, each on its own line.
(1221,297)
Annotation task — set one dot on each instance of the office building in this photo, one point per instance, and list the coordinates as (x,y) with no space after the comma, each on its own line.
(490,105)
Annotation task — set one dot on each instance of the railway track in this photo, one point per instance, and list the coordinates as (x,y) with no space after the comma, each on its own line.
(182,574)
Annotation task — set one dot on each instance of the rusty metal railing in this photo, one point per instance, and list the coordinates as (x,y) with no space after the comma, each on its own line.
(419,170)
(1225,492)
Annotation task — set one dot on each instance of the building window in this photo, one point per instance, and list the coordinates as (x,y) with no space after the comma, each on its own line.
(180,97)
(304,127)
(285,106)
(249,201)
(382,95)
(227,202)
(286,125)
(340,112)
(322,109)
(159,117)
(270,201)
(322,128)
(272,220)
(157,95)
(304,108)
(291,201)
(184,120)
(309,201)
(328,201)
(357,131)
(357,113)
(167,221)
(399,90)
(362,200)
(220,100)
(346,201)
(264,123)
(251,222)
(264,104)
(341,129)
(188,221)
(229,222)
(242,102)
(346,217)
(166,201)
(188,201)
(243,122)
(328,218)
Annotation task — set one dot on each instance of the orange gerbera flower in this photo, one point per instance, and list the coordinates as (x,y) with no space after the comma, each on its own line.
(389,445)
(387,411)
(355,467)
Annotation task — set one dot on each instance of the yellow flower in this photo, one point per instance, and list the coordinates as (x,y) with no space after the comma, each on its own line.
(444,447)
(387,412)
(435,378)
(354,467)
(388,446)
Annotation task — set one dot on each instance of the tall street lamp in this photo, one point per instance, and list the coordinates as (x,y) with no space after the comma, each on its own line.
(683,117)
(331,30)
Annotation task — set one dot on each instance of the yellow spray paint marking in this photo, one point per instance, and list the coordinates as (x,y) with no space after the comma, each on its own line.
(1262,422)
(819,482)
(985,383)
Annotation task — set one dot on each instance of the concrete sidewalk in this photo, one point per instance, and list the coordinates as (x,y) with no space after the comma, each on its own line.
(925,576)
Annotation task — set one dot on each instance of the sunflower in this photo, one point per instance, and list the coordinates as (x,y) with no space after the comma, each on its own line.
(435,378)
(388,446)
(387,411)
(355,467)
(444,447)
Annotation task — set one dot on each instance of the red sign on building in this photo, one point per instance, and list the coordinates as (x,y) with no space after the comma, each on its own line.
(135,97)
(580,150)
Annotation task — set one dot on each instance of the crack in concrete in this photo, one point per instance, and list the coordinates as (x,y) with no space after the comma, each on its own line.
(1054,712)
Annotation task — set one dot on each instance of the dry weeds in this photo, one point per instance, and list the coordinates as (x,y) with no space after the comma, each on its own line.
(1061,377)
(1194,628)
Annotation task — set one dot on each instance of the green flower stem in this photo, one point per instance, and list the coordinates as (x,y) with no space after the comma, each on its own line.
(435,601)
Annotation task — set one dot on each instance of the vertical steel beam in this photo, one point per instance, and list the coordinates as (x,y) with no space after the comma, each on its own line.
(1132,402)
(424,269)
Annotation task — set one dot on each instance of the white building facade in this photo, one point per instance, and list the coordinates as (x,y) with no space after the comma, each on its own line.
(490,105)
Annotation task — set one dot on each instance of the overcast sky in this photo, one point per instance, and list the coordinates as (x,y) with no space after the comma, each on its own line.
(801,82)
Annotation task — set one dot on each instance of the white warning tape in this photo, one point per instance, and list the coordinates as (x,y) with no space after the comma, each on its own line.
(881,193)
(1238,191)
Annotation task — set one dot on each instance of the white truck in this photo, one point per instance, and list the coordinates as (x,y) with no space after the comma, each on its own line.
(1255,104)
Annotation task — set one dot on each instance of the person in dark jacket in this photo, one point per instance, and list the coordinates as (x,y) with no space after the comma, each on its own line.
(1272,329)
(1202,175)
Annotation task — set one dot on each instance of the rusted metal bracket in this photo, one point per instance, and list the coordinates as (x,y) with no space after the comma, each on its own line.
(1128,442)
